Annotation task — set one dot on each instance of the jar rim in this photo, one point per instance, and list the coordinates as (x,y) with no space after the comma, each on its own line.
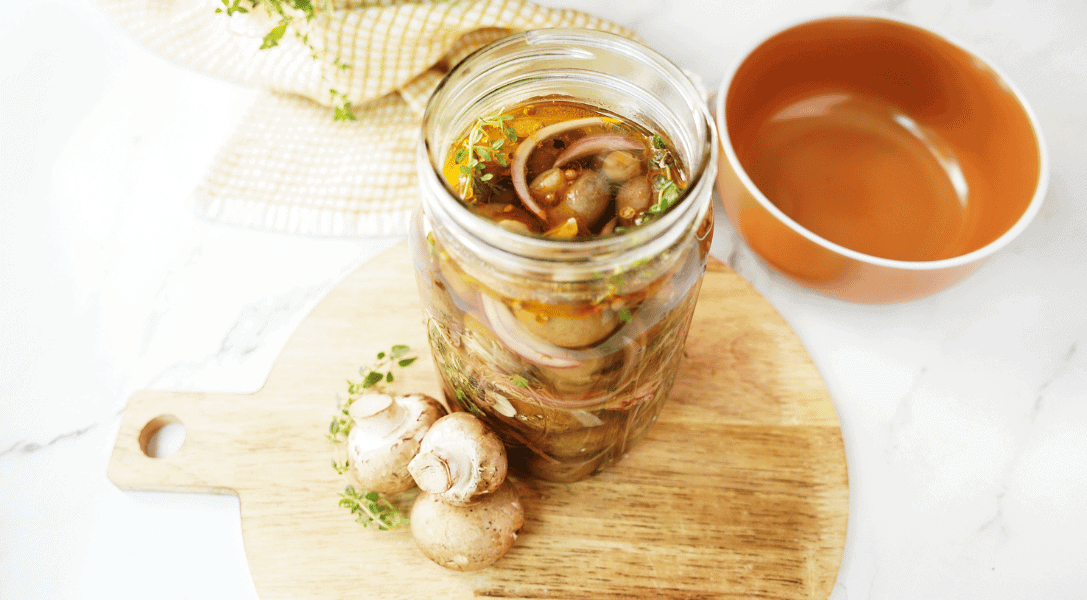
(584,257)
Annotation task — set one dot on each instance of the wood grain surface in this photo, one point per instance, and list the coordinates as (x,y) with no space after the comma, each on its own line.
(740,489)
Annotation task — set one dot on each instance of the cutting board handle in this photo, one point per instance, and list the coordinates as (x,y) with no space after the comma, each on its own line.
(208,441)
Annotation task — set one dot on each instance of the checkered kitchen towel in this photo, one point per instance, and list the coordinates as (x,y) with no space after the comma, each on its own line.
(290,167)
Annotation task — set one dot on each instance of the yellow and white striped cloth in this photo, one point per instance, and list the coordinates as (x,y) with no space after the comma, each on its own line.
(290,167)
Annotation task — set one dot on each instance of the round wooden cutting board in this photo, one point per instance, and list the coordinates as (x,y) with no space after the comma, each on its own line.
(739,490)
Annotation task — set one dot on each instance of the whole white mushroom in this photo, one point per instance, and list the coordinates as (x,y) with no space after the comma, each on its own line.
(467,538)
(386,434)
(460,460)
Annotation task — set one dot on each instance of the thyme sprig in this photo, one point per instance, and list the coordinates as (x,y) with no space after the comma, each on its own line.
(371,507)
(667,192)
(294,15)
(478,149)
(381,371)
(662,157)
(374,378)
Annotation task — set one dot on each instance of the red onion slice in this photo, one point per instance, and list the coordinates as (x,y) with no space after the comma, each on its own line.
(597,144)
(520,158)
(518,339)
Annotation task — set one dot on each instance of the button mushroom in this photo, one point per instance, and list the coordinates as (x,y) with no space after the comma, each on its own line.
(620,166)
(460,460)
(386,434)
(633,199)
(467,538)
(569,332)
(588,197)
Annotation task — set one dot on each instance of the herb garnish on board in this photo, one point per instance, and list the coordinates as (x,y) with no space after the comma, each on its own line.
(371,507)
(368,507)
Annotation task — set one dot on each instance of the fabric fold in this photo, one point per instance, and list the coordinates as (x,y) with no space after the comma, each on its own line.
(289,166)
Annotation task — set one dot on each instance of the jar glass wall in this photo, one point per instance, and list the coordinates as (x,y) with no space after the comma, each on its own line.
(566,348)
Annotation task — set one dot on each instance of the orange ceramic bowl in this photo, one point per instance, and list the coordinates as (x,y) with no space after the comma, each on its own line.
(872,160)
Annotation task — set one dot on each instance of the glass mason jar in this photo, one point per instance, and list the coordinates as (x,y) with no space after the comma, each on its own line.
(571,388)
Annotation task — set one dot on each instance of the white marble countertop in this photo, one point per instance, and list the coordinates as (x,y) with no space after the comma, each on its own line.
(964,415)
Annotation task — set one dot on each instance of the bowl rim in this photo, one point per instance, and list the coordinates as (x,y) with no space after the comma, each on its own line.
(985,251)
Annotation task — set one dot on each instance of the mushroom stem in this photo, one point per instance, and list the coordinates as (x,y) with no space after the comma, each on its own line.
(376,416)
(431,473)
(385,434)
(460,459)
(369,405)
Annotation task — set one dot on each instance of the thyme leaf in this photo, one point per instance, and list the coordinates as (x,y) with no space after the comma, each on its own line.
(271,39)
(232,7)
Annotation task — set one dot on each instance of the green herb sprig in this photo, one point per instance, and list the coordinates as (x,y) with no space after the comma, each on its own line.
(662,158)
(667,192)
(381,371)
(374,379)
(371,508)
(292,16)
(474,154)
(368,507)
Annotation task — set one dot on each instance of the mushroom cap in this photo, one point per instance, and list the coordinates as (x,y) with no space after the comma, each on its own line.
(467,538)
(460,459)
(619,166)
(588,197)
(569,332)
(379,455)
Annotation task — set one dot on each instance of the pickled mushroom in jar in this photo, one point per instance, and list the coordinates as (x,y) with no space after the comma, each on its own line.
(563,169)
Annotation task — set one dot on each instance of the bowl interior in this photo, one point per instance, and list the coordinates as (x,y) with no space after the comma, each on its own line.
(882,137)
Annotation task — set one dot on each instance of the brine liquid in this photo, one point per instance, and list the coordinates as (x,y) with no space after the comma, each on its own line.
(563,424)
(595,174)
(564,412)
(860,173)
(568,373)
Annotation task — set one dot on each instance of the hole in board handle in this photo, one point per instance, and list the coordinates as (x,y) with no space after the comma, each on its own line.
(162,436)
